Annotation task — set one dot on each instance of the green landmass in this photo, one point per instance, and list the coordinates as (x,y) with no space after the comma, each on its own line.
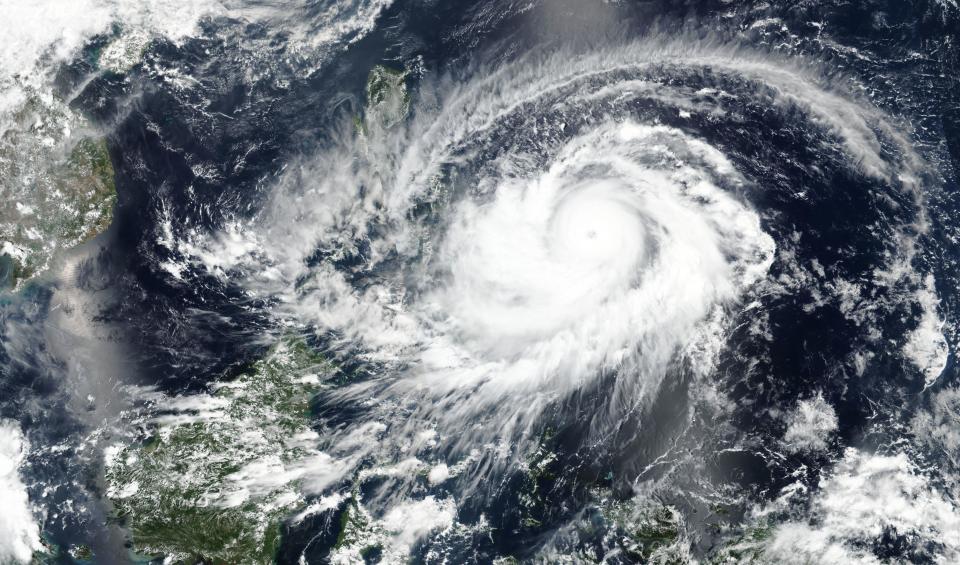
(81,553)
(541,475)
(749,547)
(180,489)
(648,533)
(638,531)
(388,100)
(58,188)
(359,534)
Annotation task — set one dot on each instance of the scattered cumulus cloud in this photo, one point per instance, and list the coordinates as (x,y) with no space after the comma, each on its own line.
(809,426)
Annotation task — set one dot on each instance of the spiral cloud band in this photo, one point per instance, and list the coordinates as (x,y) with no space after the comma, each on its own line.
(565,224)
(372,281)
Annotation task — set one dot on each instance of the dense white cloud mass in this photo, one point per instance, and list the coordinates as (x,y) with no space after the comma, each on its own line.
(19,532)
(605,246)
(526,233)
(865,498)
(614,245)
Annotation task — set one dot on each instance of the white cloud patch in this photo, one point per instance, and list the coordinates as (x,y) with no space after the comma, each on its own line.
(939,427)
(409,522)
(809,426)
(19,533)
(864,499)
(438,474)
(927,346)
(397,531)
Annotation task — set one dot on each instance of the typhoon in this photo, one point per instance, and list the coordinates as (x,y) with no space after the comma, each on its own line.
(561,283)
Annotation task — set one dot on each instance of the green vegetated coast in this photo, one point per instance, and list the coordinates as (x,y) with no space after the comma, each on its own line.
(58,188)
(57,181)
(193,486)
(213,480)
